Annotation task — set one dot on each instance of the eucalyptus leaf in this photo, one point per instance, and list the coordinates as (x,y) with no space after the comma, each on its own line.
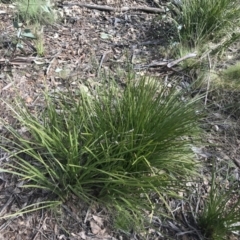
(105,36)
(27,33)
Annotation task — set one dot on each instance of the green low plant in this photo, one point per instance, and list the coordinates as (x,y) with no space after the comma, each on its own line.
(36,11)
(39,40)
(112,146)
(225,90)
(201,21)
(220,215)
(231,76)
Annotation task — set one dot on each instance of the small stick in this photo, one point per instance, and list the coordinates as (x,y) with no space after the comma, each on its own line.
(167,63)
(208,82)
(175,62)
(6,205)
(19,60)
(86,217)
(101,62)
(186,221)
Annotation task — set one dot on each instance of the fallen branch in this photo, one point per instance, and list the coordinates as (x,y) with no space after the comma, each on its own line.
(112,9)
(168,64)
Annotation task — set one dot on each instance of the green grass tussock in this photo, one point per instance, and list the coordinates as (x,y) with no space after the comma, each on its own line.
(36,11)
(221,213)
(202,21)
(109,147)
(231,76)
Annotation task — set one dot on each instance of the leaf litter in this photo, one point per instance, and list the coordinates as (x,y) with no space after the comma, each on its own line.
(77,49)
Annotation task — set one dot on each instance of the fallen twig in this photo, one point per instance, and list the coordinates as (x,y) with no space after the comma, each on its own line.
(18,60)
(190,226)
(168,64)
(101,62)
(175,62)
(208,81)
(6,205)
(152,64)
(112,9)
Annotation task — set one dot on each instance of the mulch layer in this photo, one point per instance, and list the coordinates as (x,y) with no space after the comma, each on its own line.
(94,39)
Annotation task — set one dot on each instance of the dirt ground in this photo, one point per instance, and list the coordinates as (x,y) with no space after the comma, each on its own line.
(78,49)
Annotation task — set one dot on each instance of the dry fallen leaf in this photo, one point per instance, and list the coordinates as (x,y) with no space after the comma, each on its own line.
(94,227)
(82,235)
(98,220)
